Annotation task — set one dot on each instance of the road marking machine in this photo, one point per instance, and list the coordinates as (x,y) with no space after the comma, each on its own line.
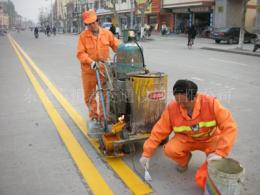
(132,99)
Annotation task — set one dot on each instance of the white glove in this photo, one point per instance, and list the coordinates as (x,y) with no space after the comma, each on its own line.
(213,156)
(93,65)
(144,162)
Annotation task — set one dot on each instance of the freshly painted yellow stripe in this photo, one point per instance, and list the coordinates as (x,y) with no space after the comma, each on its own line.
(86,167)
(131,179)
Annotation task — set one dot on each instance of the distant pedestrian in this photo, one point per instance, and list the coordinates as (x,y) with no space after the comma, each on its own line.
(48,30)
(113,29)
(36,32)
(54,30)
(191,35)
(164,29)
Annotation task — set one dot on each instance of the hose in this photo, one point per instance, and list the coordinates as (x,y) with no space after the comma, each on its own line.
(141,52)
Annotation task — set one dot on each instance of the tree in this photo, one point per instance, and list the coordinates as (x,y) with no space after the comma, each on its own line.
(142,7)
(242,27)
(113,9)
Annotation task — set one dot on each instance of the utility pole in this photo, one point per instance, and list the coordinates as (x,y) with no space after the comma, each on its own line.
(51,15)
(132,14)
(257,23)
(242,26)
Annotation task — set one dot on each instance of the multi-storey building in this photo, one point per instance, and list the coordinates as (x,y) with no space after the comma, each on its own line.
(177,14)
(4,19)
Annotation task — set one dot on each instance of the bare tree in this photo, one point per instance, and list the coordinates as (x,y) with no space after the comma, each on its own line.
(242,27)
(113,9)
(142,8)
(139,7)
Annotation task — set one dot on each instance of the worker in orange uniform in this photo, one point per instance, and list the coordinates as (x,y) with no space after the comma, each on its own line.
(93,47)
(199,122)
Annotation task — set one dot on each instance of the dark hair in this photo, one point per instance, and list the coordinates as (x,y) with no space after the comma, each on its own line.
(185,87)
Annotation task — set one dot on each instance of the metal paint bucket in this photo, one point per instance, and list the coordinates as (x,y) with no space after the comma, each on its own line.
(224,177)
(148,99)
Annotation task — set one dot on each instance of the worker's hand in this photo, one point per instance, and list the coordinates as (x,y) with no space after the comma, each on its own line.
(213,156)
(144,162)
(93,65)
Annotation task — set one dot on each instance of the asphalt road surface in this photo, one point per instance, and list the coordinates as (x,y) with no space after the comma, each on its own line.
(43,148)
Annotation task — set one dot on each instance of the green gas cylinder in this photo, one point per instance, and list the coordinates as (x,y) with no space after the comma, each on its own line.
(129,56)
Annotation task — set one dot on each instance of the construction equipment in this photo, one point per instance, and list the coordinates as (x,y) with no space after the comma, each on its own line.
(134,99)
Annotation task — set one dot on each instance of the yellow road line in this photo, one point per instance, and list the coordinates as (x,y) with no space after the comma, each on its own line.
(130,178)
(86,167)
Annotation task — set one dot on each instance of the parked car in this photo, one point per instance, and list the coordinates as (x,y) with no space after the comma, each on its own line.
(257,43)
(231,35)
(107,25)
(3,31)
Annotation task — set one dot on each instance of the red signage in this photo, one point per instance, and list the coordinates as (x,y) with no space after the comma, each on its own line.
(156,95)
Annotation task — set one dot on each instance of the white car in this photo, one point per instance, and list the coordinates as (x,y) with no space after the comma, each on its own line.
(107,25)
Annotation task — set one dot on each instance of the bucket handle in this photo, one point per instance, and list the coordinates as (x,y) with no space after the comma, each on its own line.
(241,180)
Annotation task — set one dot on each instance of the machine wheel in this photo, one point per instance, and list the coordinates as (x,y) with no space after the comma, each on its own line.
(217,41)
(164,141)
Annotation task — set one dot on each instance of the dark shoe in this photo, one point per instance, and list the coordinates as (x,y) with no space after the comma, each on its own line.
(92,124)
(94,129)
(182,169)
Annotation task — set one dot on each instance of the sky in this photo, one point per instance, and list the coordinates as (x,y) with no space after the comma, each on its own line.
(30,8)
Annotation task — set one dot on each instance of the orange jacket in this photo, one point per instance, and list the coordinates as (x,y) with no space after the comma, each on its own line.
(91,48)
(206,109)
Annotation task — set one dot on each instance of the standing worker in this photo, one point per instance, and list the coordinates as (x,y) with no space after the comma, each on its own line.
(93,47)
(199,122)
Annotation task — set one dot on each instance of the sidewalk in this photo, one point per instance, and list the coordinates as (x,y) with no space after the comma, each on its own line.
(209,44)
(232,48)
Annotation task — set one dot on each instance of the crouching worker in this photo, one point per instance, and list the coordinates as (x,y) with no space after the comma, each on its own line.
(199,122)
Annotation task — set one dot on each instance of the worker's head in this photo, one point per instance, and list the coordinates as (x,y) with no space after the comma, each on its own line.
(90,20)
(185,92)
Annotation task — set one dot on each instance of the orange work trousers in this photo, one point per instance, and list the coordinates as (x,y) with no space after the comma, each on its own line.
(179,147)
(89,83)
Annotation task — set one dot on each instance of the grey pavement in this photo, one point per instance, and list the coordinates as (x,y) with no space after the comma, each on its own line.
(209,44)
(32,154)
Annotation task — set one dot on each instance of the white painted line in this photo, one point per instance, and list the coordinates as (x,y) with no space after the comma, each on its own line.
(197,79)
(228,61)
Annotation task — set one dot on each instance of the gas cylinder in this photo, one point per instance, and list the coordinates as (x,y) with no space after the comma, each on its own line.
(129,56)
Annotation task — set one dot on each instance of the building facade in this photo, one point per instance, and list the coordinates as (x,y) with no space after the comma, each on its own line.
(4,19)
(177,14)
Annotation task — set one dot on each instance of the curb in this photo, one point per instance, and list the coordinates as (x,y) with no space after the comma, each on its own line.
(232,51)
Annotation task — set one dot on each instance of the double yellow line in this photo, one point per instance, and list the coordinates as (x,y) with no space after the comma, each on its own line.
(91,175)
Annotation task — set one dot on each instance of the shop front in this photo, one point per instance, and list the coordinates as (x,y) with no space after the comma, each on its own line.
(191,12)
(156,20)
